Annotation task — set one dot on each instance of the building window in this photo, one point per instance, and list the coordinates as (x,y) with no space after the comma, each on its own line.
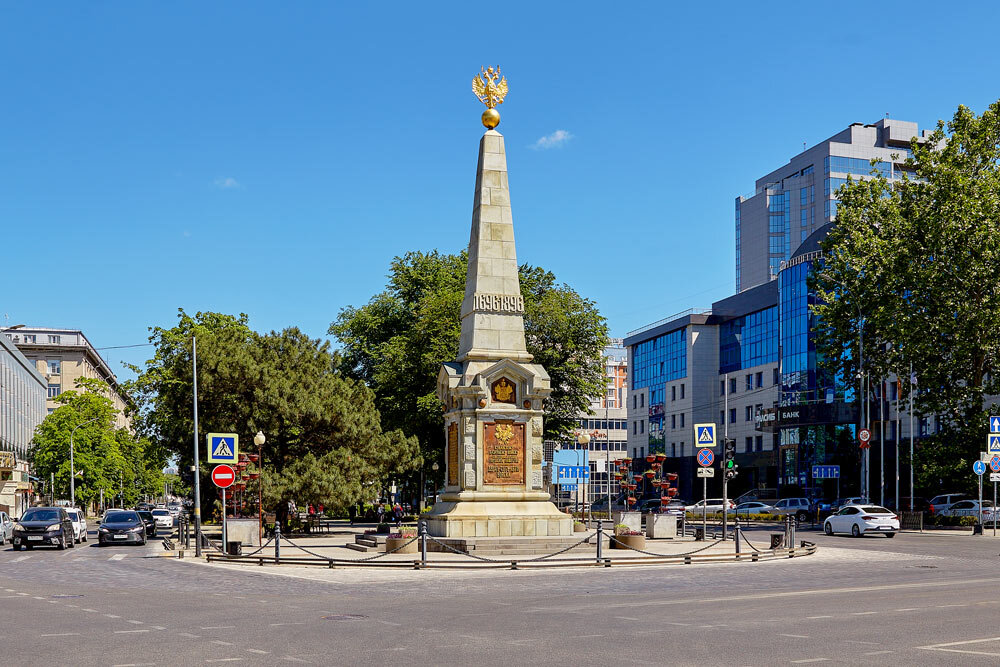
(682,448)
(749,382)
(635,428)
(642,452)
(774,380)
(673,421)
(54,366)
(673,449)
(760,379)
(642,400)
(673,393)
(54,390)
(748,444)
(722,416)
(749,415)
(682,390)
(635,403)
(29,338)
(722,387)
(682,420)
(760,443)
(732,415)
(732,385)
(54,339)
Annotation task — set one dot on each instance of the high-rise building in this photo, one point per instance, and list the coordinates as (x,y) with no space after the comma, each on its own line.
(790,203)
(22,408)
(63,356)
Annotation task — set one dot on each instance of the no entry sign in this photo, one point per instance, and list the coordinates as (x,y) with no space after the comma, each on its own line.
(223,476)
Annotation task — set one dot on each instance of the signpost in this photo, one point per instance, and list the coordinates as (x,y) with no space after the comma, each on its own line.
(827,472)
(223,447)
(704,435)
(223,476)
(979,468)
(993,447)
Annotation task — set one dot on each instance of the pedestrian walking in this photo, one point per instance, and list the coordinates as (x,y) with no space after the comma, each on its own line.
(380,512)
(397,512)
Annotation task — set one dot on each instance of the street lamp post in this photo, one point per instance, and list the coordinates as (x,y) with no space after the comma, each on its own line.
(259,440)
(435,467)
(72,464)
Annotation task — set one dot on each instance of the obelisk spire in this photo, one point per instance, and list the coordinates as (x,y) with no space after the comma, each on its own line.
(493,309)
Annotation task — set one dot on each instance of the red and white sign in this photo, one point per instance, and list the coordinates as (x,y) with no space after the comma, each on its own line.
(223,476)
(864,435)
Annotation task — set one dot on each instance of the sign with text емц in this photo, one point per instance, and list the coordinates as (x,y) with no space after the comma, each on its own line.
(704,435)
(223,447)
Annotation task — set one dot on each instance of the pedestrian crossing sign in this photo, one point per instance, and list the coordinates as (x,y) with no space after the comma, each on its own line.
(992,444)
(704,435)
(223,447)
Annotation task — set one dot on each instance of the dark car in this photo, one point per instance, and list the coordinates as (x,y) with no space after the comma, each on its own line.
(44,525)
(149,521)
(122,527)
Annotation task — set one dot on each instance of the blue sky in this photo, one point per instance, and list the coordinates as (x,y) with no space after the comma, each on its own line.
(272,158)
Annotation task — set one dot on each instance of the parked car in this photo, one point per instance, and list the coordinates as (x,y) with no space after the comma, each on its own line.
(860,519)
(43,525)
(944,501)
(148,521)
(6,529)
(969,508)
(601,504)
(164,519)
(121,527)
(709,504)
(752,507)
(841,503)
(79,524)
(800,508)
(919,504)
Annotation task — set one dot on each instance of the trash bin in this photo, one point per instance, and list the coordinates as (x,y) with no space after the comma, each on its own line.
(234,548)
(977,529)
(777,539)
(699,534)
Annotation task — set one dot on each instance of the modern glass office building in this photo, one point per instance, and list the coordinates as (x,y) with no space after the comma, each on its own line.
(22,408)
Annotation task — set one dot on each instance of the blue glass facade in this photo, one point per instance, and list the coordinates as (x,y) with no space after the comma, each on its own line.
(655,362)
(749,341)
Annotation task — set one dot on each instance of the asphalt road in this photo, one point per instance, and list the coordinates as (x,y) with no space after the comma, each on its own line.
(922,599)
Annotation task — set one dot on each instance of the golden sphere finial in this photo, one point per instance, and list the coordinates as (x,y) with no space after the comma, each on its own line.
(491,118)
(490,87)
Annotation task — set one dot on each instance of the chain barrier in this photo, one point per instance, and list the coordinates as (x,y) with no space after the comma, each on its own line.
(614,538)
(464,553)
(561,551)
(351,560)
(262,547)
(743,534)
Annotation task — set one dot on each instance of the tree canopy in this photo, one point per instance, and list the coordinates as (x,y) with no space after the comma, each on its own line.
(282,383)
(914,267)
(397,342)
(105,457)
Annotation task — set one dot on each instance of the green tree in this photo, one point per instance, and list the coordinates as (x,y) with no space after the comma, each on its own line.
(106,458)
(397,342)
(915,266)
(282,383)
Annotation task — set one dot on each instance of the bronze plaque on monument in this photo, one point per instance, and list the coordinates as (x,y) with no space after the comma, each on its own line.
(453,454)
(503,391)
(503,453)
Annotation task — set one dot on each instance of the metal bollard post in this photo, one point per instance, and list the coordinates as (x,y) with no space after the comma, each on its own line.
(423,543)
(736,534)
(277,541)
(600,538)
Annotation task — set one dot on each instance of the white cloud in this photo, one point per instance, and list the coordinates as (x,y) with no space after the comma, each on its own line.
(555,140)
(228,183)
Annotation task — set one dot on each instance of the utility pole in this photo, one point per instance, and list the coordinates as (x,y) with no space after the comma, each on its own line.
(725,475)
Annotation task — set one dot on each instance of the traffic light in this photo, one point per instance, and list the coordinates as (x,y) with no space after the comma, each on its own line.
(729,458)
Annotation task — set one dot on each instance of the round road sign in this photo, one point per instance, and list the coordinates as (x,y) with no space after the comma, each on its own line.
(705,457)
(995,463)
(979,467)
(223,475)
(864,435)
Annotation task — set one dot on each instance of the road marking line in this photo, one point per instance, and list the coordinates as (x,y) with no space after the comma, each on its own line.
(585,636)
(5,597)
(22,594)
(117,557)
(824,616)
(800,662)
(188,635)
(858,641)
(781,634)
(863,613)
(221,643)
(292,658)
(397,624)
(676,623)
(125,632)
(136,664)
(944,606)
(627,618)
(112,616)
(62,634)
(878,652)
(299,623)
(20,558)
(225,660)
(94,611)
(134,622)
(10,590)
(157,627)
(218,627)
(939,647)
(38,598)
(910,609)
(257,651)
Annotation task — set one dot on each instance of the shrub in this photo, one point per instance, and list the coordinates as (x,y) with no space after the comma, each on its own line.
(621,530)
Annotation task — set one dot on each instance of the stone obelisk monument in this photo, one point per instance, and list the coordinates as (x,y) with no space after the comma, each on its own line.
(492,394)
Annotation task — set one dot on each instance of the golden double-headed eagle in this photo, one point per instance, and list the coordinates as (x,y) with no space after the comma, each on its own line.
(488,89)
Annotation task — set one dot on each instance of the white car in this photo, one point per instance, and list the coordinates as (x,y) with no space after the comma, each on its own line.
(6,529)
(860,519)
(944,501)
(969,508)
(713,505)
(163,518)
(752,507)
(79,524)
(797,507)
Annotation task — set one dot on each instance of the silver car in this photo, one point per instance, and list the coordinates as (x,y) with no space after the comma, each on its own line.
(6,529)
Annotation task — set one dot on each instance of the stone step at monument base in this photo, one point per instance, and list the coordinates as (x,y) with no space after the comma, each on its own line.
(368,542)
(509,546)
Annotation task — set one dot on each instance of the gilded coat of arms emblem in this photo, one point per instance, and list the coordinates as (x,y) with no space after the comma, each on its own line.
(503,391)
(504,433)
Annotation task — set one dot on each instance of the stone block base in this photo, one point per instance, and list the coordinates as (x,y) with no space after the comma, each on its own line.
(509,546)
(465,519)
(661,526)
